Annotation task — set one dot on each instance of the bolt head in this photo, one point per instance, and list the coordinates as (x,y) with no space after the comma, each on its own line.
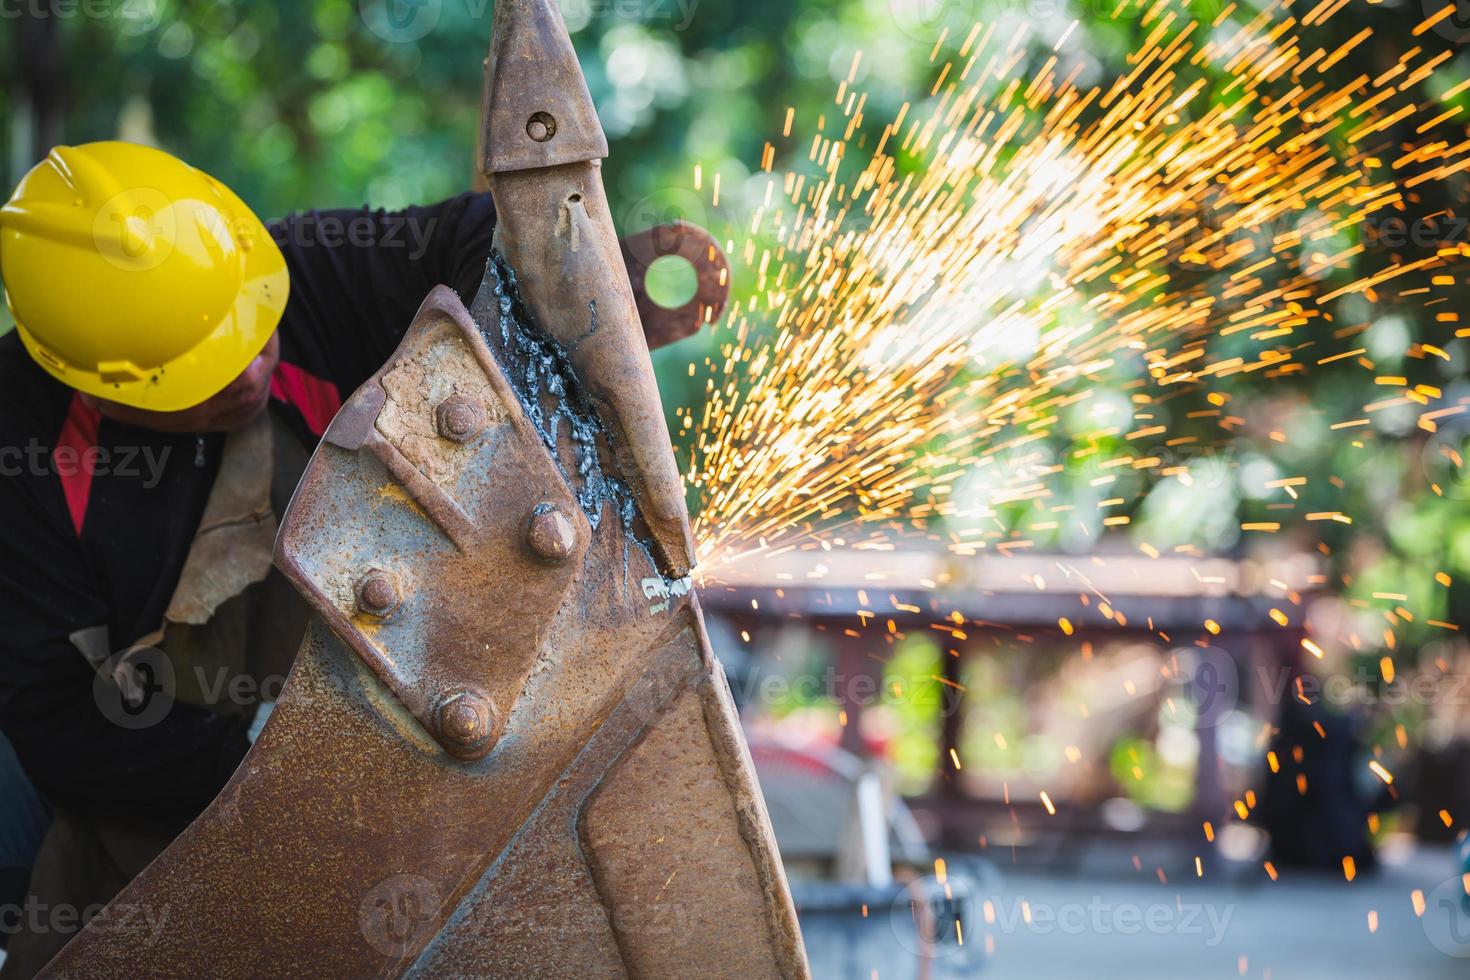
(378,593)
(460,418)
(466,720)
(552,535)
(541,126)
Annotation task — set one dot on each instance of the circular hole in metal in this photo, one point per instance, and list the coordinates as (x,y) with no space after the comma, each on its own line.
(541,126)
(671,281)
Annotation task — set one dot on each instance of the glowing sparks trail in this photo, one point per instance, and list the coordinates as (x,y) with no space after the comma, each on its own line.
(929,316)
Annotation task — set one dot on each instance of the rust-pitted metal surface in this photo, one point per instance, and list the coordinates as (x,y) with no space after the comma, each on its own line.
(447,542)
(505,749)
(538,112)
(555,231)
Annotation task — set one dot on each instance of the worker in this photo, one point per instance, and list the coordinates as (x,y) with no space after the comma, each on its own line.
(174,361)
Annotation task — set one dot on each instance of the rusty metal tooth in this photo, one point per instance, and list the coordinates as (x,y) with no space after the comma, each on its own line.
(538,112)
(556,231)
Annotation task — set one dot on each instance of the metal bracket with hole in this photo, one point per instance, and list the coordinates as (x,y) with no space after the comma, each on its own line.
(663,325)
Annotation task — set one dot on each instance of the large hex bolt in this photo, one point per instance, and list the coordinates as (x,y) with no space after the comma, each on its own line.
(552,535)
(460,418)
(378,594)
(466,721)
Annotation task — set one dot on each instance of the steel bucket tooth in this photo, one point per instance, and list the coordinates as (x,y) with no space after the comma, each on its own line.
(505,748)
(541,151)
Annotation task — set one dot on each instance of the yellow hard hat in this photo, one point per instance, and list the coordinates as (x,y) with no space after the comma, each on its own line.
(134,277)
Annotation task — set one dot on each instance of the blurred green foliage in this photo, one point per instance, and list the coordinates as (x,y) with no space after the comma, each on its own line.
(1149,780)
(908,720)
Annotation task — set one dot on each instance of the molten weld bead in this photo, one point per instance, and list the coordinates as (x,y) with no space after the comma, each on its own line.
(552,535)
(377,594)
(465,720)
(460,418)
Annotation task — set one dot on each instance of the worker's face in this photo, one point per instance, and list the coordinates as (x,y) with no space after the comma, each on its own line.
(236,406)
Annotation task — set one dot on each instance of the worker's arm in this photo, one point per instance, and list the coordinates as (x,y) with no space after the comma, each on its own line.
(359,276)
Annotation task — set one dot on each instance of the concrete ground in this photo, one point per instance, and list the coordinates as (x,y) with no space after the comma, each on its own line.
(1302,927)
(1101,920)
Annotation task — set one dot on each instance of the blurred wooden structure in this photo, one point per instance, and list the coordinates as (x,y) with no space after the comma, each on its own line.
(853,596)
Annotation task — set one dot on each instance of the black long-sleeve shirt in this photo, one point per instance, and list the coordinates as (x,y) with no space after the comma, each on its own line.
(97,517)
